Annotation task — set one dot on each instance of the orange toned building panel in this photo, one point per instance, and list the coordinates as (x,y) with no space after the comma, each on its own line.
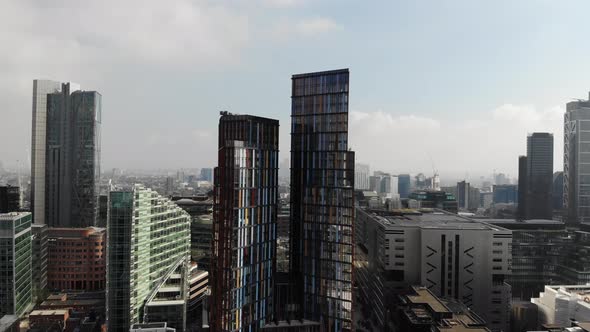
(76,259)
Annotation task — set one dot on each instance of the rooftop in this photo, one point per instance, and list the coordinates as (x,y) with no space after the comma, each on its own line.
(51,312)
(428,218)
(327,72)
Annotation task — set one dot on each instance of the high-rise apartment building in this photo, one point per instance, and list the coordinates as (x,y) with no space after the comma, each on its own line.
(16,290)
(362,173)
(322,200)
(148,240)
(41,88)
(576,161)
(245,223)
(539,176)
(72,166)
(9,199)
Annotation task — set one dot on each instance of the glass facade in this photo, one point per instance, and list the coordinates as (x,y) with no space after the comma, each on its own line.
(539,176)
(576,161)
(322,200)
(16,279)
(38,146)
(148,236)
(72,167)
(243,261)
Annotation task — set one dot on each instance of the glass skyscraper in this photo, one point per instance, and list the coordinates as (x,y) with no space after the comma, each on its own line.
(539,176)
(322,201)
(148,240)
(16,279)
(245,223)
(576,161)
(72,166)
(41,88)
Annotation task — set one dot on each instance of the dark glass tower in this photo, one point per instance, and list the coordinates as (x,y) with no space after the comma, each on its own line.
(540,176)
(322,200)
(522,187)
(244,223)
(73,158)
(9,199)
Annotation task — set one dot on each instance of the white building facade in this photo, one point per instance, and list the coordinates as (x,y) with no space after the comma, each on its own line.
(451,255)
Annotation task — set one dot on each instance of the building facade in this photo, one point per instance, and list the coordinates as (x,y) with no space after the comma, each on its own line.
(76,259)
(538,254)
(522,187)
(322,200)
(557,190)
(16,279)
(404,185)
(39,261)
(9,199)
(463,195)
(576,161)
(243,262)
(148,240)
(451,255)
(505,193)
(41,88)
(539,176)
(362,172)
(72,167)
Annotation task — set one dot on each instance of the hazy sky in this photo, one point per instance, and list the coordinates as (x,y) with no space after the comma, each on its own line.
(461,82)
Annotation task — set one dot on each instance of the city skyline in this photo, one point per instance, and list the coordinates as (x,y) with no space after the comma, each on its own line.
(462,95)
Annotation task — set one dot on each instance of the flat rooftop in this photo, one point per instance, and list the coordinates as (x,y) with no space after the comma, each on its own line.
(424,296)
(428,218)
(51,312)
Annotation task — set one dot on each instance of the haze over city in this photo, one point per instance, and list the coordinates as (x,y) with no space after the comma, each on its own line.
(454,82)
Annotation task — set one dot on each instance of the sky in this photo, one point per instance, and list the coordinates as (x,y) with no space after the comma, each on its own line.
(453,86)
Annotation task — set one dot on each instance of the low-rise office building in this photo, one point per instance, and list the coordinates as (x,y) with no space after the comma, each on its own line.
(453,256)
(76,259)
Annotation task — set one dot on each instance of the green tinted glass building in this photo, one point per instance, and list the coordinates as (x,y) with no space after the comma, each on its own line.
(148,240)
(15,263)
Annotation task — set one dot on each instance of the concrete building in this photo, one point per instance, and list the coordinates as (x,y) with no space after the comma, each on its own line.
(539,176)
(151,327)
(41,88)
(16,279)
(362,173)
(148,240)
(562,304)
(322,201)
(76,259)
(72,165)
(453,256)
(422,311)
(576,161)
(244,223)
(9,199)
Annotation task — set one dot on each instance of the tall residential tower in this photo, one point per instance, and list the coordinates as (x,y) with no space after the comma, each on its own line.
(322,200)
(243,262)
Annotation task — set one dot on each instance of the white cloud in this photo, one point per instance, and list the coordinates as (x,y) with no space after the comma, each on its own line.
(283,3)
(478,145)
(317,25)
